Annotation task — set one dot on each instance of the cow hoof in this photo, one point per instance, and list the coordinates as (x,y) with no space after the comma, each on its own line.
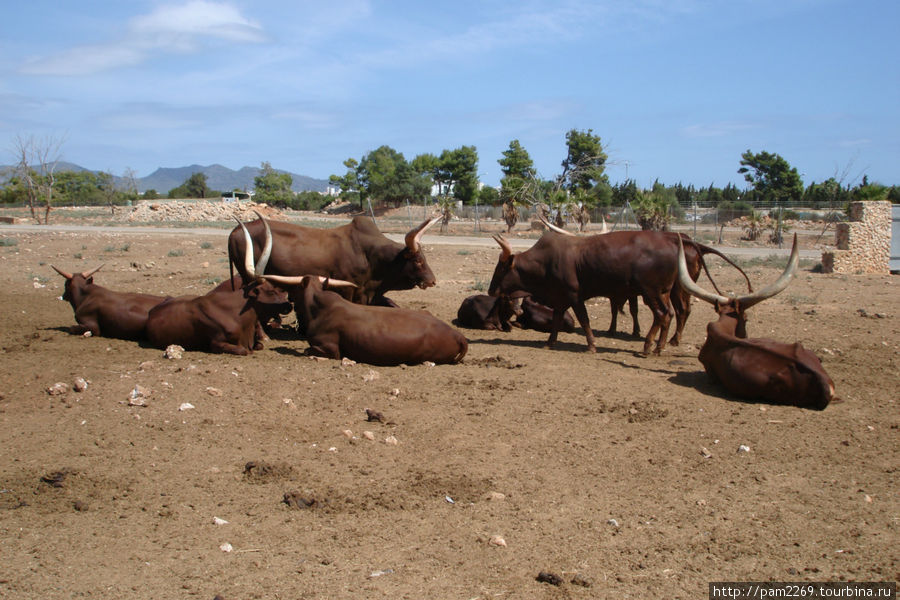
(591,350)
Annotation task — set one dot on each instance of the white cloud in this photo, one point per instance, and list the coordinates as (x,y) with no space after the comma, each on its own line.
(170,28)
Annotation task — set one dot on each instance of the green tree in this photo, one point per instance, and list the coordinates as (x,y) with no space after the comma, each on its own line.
(349,183)
(771,176)
(457,173)
(585,161)
(196,186)
(273,187)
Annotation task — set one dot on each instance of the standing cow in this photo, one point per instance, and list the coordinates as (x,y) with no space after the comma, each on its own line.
(357,252)
(680,299)
(100,311)
(563,271)
(223,320)
(757,368)
(376,335)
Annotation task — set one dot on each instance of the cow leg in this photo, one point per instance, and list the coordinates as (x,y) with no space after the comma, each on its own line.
(614,307)
(325,350)
(633,309)
(662,316)
(582,316)
(681,303)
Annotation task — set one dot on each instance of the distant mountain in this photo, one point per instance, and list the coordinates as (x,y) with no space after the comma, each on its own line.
(217,178)
(220,178)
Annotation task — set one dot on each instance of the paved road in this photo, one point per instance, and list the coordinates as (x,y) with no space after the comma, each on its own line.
(454,240)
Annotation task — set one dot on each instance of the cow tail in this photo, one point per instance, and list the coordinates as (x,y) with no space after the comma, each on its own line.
(231,262)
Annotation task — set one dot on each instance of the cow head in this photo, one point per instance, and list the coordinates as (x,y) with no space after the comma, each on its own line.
(732,308)
(267,300)
(75,283)
(506,280)
(409,269)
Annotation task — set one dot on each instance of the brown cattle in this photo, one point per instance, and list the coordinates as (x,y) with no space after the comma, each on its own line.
(223,320)
(758,369)
(563,271)
(375,335)
(357,252)
(104,312)
(680,299)
(534,315)
(484,312)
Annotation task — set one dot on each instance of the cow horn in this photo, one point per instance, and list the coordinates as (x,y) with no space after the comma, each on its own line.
(248,251)
(298,279)
(553,227)
(267,249)
(87,274)
(413,237)
(689,285)
(63,273)
(504,246)
(779,284)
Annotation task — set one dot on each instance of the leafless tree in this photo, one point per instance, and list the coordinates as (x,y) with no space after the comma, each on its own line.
(36,167)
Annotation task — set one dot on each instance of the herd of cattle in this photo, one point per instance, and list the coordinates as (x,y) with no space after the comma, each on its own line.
(336,280)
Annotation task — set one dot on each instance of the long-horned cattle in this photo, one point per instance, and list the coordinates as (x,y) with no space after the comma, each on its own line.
(223,320)
(758,368)
(680,299)
(356,252)
(104,312)
(486,312)
(376,335)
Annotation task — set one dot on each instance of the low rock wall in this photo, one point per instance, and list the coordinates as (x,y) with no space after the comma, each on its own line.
(863,245)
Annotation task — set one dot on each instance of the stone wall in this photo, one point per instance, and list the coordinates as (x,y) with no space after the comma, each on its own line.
(864,244)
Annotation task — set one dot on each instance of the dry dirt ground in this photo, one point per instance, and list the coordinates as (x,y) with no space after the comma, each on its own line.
(621,475)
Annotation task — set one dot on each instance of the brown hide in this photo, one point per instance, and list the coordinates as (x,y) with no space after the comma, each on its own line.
(484,312)
(221,321)
(357,252)
(563,271)
(104,312)
(534,315)
(375,335)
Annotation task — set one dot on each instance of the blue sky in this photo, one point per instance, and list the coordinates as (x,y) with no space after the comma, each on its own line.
(676,90)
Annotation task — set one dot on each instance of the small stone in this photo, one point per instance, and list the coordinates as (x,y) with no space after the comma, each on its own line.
(226,547)
(218,521)
(391,440)
(348,434)
(705,453)
(80,384)
(612,522)
(369,435)
(213,391)
(186,406)
(346,362)
(395,392)
(428,363)
(579,579)
(743,448)
(495,496)
(371,376)
(174,352)
(497,540)
(58,388)
(867,498)
(551,578)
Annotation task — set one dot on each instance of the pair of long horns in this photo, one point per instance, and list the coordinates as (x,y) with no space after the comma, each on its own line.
(413,237)
(748,300)
(259,268)
(298,279)
(84,274)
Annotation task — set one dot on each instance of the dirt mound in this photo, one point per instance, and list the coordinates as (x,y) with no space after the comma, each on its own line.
(199,211)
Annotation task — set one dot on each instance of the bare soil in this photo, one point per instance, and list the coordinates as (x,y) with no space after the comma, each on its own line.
(617,476)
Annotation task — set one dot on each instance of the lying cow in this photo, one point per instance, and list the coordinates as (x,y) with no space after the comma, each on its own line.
(375,335)
(484,312)
(224,320)
(758,369)
(100,311)
(534,315)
